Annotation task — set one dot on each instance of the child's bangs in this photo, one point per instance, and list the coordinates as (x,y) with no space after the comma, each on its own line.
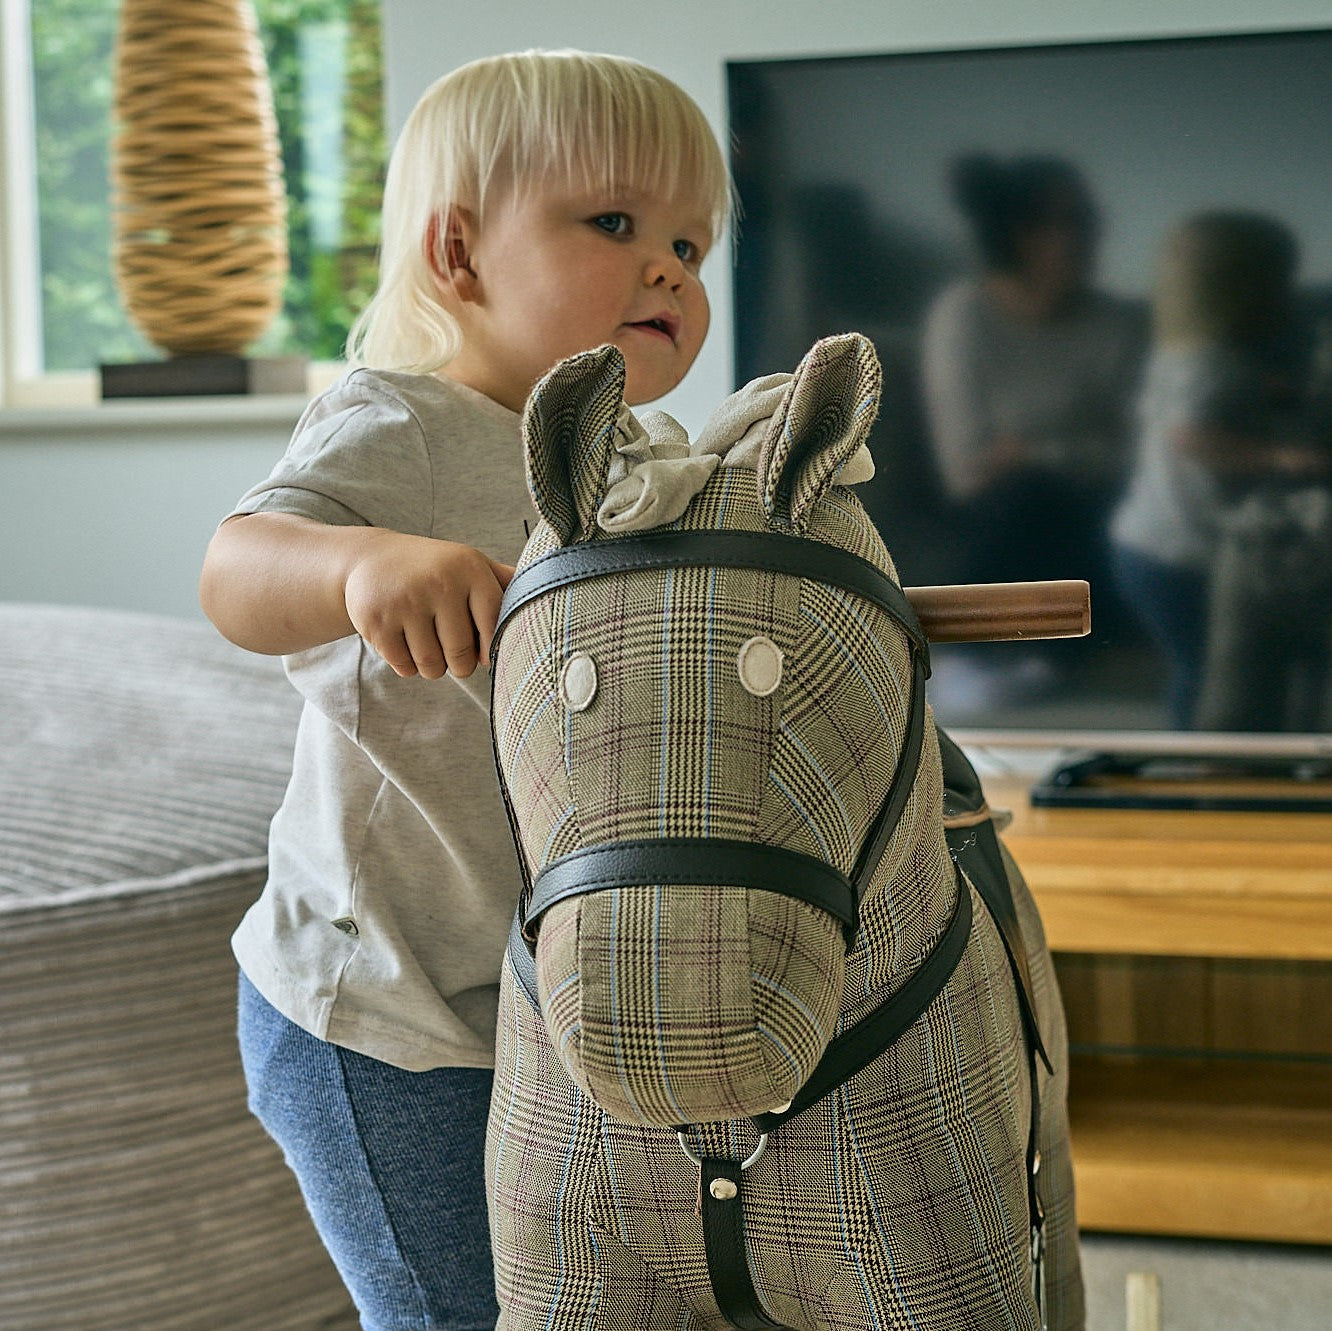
(612,127)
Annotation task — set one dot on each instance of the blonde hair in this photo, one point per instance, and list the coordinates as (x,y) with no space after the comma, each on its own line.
(1224,277)
(512,122)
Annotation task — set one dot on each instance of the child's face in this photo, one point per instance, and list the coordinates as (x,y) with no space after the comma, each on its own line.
(558,271)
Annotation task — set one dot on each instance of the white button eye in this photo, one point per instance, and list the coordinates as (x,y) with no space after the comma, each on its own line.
(578,682)
(760,666)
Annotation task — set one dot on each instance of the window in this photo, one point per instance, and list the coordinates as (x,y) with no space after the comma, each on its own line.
(62,312)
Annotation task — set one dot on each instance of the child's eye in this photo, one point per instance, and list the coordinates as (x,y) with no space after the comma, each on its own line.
(687,252)
(614,224)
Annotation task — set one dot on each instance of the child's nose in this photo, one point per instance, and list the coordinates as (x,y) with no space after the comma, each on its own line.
(664,268)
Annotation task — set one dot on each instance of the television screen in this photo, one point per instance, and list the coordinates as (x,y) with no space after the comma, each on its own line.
(1099,280)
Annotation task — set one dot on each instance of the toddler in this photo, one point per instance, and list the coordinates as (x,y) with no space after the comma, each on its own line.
(536,205)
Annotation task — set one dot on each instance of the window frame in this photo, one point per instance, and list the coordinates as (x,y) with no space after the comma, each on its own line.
(21,381)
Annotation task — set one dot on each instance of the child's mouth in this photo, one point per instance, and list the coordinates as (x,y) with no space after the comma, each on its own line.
(661,326)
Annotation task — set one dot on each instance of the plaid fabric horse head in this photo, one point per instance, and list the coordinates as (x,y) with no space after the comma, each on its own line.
(762,1060)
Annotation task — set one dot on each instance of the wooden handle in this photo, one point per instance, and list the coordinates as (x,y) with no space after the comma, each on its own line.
(1003,611)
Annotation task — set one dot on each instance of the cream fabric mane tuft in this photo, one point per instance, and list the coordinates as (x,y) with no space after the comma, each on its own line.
(656,471)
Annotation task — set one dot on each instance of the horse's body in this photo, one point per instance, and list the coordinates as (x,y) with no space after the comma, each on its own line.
(681,706)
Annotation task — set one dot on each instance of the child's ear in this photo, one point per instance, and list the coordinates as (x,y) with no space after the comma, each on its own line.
(449,242)
(568,429)
(824,418)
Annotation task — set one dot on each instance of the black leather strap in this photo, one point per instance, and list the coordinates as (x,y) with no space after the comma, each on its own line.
(1035,1208)
(899,788)
(777,552)
(700,860)
(856,1048)
(524,963)
(720,1193)
(975,845)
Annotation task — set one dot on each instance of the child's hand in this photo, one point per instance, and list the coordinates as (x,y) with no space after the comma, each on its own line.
(428,607)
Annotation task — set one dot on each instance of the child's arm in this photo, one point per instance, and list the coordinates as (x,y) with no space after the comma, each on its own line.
(277,583)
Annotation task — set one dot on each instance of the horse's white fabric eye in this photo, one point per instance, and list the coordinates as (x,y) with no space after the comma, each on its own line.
(578,682)
(760,666)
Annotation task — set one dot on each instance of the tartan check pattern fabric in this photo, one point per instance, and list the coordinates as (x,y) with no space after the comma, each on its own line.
(901,1199)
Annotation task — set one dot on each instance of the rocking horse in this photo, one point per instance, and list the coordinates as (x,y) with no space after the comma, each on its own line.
(780,1040)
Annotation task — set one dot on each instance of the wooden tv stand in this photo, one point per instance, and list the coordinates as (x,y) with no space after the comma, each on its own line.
(1222,1126)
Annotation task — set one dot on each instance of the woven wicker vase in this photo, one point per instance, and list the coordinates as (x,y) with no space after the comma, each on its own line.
(197,191)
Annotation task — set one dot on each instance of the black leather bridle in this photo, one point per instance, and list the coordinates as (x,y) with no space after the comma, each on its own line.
(702,860)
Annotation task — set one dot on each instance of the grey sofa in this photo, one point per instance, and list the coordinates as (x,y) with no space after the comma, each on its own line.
(140,761)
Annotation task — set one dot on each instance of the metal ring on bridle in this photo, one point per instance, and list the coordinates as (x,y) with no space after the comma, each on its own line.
(758,1151)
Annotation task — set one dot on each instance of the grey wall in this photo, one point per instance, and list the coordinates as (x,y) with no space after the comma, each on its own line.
(113,505)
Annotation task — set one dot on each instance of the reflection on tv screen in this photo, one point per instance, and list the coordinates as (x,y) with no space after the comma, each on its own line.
(1099,278)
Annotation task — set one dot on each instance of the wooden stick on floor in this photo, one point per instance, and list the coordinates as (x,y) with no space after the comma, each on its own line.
(1142,1291)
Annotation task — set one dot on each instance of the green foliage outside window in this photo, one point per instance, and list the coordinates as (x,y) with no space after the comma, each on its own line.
(324,59)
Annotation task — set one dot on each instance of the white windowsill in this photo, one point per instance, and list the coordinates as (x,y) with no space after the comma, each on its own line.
(68,405)
(153,416)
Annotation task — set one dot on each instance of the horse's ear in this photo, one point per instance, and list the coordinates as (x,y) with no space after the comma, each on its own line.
(568,426)
(824,418)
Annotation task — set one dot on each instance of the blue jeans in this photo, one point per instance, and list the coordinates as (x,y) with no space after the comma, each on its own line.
(391,1164)
(1172,605)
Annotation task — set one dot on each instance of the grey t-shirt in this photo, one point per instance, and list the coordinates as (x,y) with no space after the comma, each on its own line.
(1065,387)
(1174,502)
(392,876)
